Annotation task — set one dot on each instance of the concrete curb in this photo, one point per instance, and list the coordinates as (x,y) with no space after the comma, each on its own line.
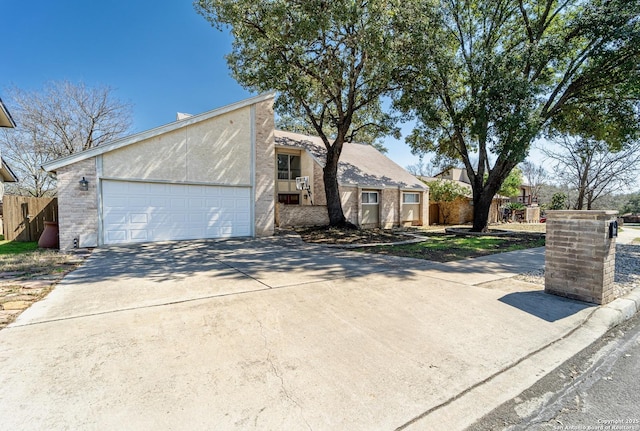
(619,310)
(501,387)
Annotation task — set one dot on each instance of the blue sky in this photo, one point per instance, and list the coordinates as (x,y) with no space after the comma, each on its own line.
(161,56)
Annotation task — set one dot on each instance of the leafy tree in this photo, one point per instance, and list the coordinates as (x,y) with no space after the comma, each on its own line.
(486,77)
(60,119)
(329,61)
(511,185)
(592,169)
(558,201)
(445,193)
(632,205)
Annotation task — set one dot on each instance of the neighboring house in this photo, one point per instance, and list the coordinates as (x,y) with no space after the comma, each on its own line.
(375,191)
(525,197)
(5,117)
(6,174)
(461,212)
(211,175)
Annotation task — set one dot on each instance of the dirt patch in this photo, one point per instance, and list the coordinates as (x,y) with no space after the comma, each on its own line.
(28,277)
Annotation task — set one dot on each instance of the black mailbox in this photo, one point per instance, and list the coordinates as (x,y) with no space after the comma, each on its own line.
(613,229)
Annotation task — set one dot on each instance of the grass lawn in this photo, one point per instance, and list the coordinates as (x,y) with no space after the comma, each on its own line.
(13,247)
(445,247)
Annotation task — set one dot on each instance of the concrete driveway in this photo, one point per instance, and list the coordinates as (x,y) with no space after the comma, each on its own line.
(273,335)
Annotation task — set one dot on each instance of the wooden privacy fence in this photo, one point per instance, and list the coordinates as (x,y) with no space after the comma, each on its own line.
(24,217)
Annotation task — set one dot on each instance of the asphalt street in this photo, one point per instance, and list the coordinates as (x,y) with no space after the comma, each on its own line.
(598,389)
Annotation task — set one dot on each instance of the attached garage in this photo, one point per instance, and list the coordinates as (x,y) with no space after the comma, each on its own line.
(143,212)
(207,176)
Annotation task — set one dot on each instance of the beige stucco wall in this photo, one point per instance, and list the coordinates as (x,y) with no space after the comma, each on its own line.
(216,151)
(410,213)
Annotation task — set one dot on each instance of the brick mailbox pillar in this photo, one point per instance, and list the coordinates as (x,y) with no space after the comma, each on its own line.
(580,255)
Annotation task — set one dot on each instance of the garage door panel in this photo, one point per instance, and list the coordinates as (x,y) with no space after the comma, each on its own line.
(139,218)
(137,212)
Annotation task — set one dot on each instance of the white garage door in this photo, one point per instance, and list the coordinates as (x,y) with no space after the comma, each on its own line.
(143,212)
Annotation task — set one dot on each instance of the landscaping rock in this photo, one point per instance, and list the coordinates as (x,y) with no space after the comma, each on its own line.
(11,274)
(16,305)
(35,284)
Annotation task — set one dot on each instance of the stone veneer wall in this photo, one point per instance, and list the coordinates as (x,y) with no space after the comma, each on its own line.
(264,169)
(580,256)
(78,210)
(301,215)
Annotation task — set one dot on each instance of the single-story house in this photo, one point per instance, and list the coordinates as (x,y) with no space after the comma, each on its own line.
(213,175)
(374,190)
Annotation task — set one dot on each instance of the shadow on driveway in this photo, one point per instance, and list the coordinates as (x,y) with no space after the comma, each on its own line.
(274,263)
(544,306)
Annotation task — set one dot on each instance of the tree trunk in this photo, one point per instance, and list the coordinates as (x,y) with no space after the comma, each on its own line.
(330,177)
(580,201)
(481,209)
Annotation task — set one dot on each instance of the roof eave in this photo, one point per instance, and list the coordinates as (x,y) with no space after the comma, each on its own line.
(6,120)
(8,176)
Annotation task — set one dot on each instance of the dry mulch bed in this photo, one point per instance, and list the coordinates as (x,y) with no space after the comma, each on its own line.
(324,235)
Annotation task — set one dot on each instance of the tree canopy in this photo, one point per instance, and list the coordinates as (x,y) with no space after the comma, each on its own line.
(445,193)
(329,61)
(511,185)
(484,78)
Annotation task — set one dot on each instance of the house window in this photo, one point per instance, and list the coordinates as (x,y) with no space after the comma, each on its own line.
(288,167)
(411,198)
(289,198)
(370,198)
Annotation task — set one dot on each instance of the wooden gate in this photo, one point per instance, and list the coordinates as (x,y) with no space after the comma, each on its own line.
(434,213)
(24,217)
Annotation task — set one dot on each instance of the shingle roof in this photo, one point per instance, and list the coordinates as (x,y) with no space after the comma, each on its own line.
(360,164)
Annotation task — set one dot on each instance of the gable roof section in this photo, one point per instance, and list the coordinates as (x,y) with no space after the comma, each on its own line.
(5,117)
(6,173)
(360,164)
(133,139)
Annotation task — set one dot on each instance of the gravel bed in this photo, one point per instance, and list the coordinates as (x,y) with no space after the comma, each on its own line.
(627,275)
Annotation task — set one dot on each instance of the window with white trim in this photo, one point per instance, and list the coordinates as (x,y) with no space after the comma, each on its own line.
(370,198)
(410,198)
